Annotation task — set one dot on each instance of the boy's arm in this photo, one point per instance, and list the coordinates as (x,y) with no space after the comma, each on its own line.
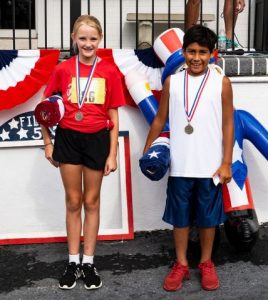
(161,116)
(225,171)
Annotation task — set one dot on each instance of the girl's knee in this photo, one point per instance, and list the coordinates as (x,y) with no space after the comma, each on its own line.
(74,205)
(92,204)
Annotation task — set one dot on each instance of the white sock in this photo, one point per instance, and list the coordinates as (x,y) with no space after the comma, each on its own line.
(87,259)
(74,258)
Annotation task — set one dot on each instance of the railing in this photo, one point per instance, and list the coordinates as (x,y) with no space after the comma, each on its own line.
(124,21)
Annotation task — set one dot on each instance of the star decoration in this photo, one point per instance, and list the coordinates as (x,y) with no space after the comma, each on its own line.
(13,124)
(154,154)
(5,135)
(22,133)
(237,153)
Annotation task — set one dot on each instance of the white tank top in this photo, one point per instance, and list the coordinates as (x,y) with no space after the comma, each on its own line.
(198,154)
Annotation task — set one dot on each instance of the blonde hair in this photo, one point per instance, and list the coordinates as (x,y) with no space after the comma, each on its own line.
(86,20)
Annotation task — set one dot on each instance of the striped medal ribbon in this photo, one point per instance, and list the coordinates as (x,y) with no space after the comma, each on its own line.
(190,113)
(82,96)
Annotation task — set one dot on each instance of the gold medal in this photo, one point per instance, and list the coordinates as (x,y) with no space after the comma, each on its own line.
(189,129)
(79,116)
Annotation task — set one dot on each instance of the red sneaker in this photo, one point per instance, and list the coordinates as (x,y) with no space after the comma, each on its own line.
(209,277)
(173,280)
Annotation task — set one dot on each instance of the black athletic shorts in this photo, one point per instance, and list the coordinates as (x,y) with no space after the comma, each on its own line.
(78,148)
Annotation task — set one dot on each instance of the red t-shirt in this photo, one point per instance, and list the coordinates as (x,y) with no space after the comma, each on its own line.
(105,92)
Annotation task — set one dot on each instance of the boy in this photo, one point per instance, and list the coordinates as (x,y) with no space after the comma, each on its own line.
(198,103)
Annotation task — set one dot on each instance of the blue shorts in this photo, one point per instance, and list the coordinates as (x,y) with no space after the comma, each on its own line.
(194,201)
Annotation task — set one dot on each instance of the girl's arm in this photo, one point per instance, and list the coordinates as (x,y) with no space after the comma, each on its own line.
(111,163)
(48,143)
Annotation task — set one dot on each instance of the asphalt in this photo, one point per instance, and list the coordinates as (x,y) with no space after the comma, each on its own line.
(134,269)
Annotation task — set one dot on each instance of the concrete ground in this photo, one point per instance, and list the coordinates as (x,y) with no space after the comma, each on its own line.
(133,270)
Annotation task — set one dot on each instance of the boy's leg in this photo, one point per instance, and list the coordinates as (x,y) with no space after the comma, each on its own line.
(181,244)
(206,242)
(209,277)
(180,270)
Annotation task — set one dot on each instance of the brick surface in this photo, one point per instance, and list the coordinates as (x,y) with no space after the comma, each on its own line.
(234,65)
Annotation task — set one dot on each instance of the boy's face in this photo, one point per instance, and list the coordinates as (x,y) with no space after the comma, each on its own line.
(197,58)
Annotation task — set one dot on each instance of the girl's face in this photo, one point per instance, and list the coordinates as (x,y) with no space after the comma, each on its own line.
(197,58)
(87,39)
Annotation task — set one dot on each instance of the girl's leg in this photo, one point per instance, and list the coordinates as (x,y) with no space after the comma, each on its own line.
(91,198)
(72,180)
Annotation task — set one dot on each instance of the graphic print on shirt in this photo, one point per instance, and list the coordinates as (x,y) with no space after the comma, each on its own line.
(95,94)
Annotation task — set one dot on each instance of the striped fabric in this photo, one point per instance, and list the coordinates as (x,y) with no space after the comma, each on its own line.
(23,73)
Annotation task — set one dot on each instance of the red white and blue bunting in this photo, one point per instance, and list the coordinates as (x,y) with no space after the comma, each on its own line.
(23,73)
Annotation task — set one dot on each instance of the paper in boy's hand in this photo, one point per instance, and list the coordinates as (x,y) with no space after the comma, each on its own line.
(216,179)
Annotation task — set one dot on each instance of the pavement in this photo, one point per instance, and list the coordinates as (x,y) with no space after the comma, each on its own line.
(134,269)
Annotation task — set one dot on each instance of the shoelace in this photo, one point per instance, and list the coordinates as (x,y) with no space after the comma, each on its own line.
(71,269)
(207,268)
(177,270)
(230,43)
(88,269)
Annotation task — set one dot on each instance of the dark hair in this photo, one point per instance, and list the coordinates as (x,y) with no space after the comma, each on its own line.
(201,35)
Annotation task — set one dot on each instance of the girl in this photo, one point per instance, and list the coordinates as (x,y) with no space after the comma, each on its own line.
(85,146)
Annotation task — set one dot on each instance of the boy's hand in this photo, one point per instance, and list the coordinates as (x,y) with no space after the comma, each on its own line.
(224,172)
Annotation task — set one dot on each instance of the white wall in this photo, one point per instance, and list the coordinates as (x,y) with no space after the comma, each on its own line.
(32,197)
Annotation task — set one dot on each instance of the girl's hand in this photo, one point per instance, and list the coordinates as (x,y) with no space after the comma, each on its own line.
(110,165)
(48,155)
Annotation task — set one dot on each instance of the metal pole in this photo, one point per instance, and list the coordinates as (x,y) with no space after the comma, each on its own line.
(14,24)
(104,23)
(30,23)
(121,22)
(137,23)
(249,23)
(75,12)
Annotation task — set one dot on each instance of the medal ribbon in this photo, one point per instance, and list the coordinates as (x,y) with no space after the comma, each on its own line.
(190,114)
(81,100)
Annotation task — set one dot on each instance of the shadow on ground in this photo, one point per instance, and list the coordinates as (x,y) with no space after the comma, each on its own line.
(24,265)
